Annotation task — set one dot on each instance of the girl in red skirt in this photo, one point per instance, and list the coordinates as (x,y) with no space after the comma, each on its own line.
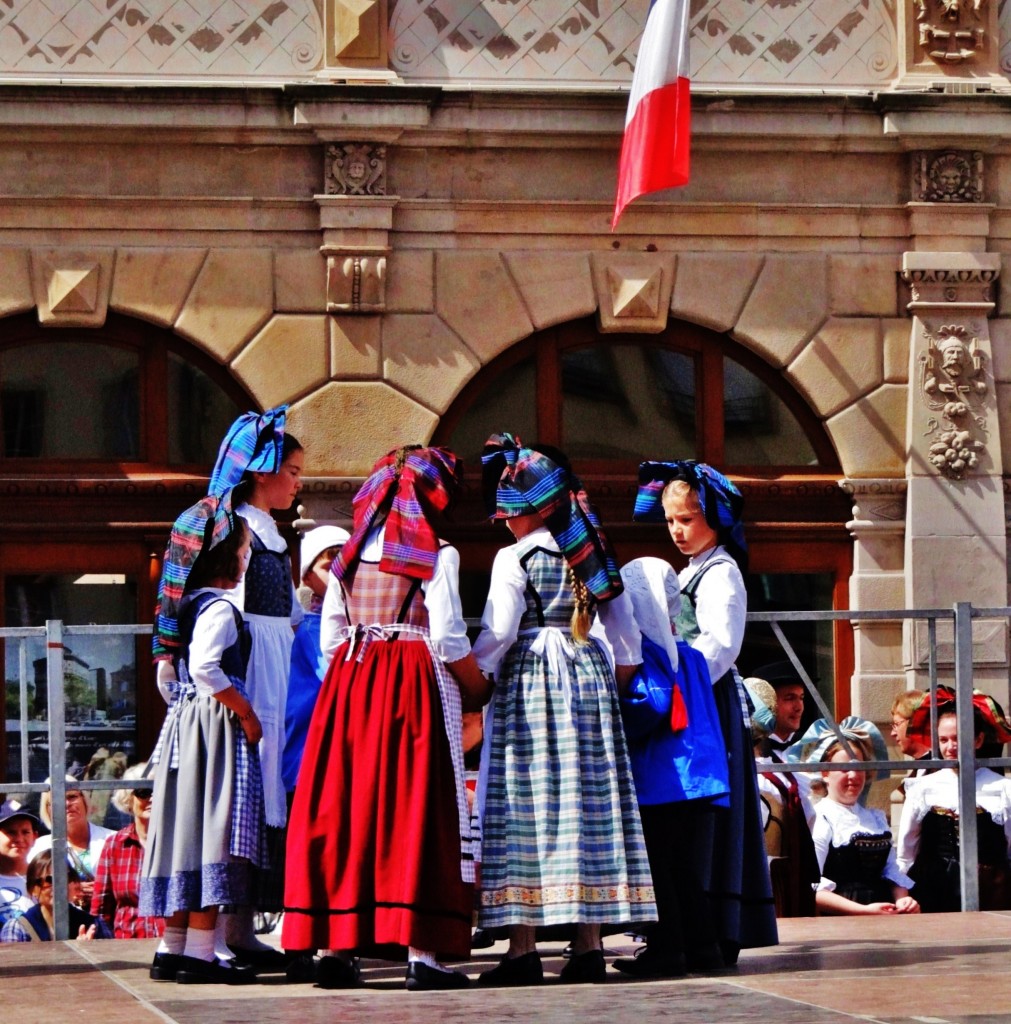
(379,846)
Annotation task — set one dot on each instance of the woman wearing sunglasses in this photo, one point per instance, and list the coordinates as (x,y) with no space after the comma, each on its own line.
(37,924)
(117,878)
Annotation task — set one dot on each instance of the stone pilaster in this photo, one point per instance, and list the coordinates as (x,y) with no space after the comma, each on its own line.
(956,541)
(955,45)
(356,231)
(878,530)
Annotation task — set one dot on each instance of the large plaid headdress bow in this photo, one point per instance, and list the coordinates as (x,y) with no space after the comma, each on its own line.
(987,713)
(721,502)
(201,527)
(253,444)
(406,487)
(517,481)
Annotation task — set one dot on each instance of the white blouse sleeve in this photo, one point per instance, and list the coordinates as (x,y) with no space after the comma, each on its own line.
(908,844)
(618,619)
(213,632)
(721,606)
(446,626)
(503,611)
(821,833)
(333,619)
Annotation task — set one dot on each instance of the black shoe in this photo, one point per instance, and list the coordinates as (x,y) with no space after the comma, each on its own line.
(333,972)
(705,959)
(263,961)
(482,939)
(301,969)
(519,970)
(730,950)
(586,968)
(164,967)
(653,963)
(194,971)
(422,978)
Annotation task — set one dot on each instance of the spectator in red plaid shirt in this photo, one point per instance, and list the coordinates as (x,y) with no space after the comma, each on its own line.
(117,878)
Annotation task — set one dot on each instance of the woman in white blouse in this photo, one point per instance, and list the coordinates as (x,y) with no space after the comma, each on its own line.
(928,830)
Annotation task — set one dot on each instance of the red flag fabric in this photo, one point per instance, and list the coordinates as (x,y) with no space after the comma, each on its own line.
(654,151)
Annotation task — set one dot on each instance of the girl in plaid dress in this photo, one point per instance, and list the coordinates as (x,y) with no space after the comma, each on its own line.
(562,841)
(207,826)
(379,855)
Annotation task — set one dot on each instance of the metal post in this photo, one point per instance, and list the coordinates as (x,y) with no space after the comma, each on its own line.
(967,848)
(932,657)
(23,698)
(58,774)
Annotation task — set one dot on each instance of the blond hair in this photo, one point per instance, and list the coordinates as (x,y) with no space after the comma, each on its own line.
(907,702)
(684,490)
(579,625)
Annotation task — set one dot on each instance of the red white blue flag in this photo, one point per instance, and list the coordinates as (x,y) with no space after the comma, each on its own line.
(654,152)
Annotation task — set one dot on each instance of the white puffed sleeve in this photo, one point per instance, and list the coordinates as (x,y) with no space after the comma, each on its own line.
(503,611)
(446,626)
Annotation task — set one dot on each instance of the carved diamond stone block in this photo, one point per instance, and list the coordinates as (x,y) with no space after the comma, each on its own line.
(71,289)
(355,169)
(948,176)
(633,292)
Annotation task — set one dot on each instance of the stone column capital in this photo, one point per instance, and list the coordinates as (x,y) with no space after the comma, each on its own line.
(950,282)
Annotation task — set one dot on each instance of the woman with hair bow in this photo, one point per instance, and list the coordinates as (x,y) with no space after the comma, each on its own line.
(379,846)
(562,840)
(703,511)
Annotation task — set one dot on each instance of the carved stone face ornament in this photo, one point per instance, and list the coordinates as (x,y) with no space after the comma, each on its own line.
(951,379)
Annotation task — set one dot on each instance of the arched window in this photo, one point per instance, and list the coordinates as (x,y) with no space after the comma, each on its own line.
(106,435)
(124,394)
(686,393)
(610,401)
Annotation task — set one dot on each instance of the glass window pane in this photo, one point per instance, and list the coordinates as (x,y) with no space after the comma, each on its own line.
(812,642)
(628,402)
(508,403)
(99,676)
(759,430)
(199,414)
(70,400)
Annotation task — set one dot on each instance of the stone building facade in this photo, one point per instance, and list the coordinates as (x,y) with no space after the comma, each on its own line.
(376,210)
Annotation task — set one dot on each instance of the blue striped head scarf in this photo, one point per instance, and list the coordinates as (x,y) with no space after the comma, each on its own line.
(721,502)
(201,527)
(519,481)
(406,487)
(253,444)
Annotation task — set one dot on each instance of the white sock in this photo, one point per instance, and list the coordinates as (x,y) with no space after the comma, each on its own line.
(172,941)
(428,959)
(221,950)
(200,943)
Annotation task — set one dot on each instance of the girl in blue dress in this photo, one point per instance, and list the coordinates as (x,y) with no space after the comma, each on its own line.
(703,512)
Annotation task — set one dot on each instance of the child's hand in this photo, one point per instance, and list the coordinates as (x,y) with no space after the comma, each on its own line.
(86,934)
(251,727)
(880,908)
(907,905)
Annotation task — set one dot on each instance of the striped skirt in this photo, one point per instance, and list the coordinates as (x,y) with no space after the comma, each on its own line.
(562,840)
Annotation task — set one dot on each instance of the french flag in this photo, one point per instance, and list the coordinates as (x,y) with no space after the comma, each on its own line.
(654,151)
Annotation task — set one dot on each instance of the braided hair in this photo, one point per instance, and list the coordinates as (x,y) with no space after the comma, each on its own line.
(579,625)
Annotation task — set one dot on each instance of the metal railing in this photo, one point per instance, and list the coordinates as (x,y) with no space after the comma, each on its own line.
(961,616)
(54,633)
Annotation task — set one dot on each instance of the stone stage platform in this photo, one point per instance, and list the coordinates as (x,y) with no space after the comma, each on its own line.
(930,969)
